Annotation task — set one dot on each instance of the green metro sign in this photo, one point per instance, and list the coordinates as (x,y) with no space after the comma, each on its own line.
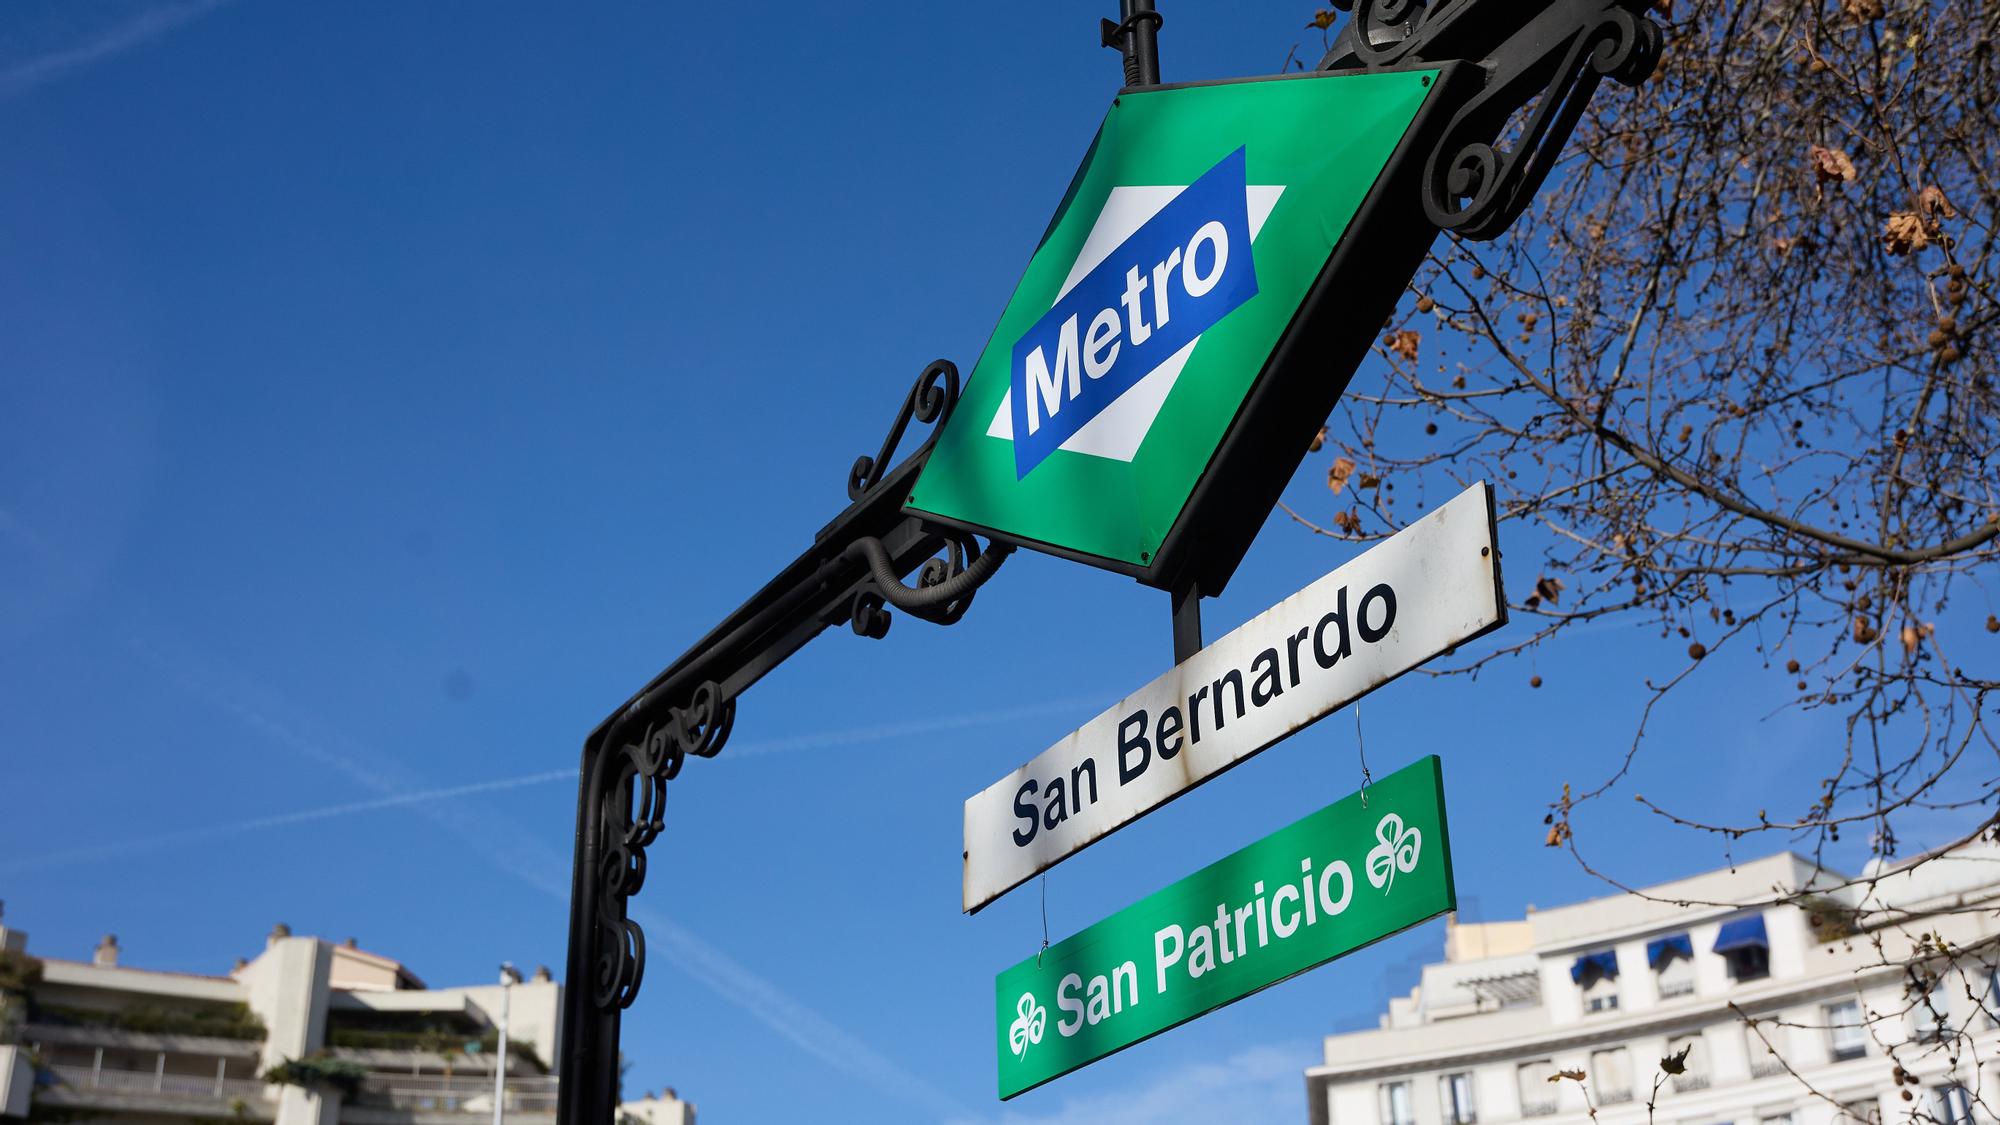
(1367,866)
(1218,267)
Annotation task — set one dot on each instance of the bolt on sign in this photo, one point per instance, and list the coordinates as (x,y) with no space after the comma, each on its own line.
(1430,587)
(1171,282)
(1369,865)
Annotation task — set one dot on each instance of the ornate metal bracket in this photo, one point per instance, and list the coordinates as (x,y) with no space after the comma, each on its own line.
(852,573)
(929,402)
(1549,55)
(630,789)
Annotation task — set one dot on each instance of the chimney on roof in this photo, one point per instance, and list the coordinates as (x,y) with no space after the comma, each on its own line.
(352,943)
(242,963)
(542,974)
(278,932)
(107,952)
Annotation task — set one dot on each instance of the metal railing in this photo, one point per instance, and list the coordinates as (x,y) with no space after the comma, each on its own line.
(81,1078)
(526,1094)
(1539,1109)
(1766,1068)
(1686,1082)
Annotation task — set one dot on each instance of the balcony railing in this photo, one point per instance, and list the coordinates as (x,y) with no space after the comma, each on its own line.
(527,1094)
(1615,1097)
(1683,1083)
(193,1087)
(1539,1109)
(1676,988)
(1766,1068)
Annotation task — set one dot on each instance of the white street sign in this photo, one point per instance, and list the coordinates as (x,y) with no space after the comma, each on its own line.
(1431,587)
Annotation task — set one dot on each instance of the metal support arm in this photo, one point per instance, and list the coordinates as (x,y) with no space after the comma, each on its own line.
(852,573)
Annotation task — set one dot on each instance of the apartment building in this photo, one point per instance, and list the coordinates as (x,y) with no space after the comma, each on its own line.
(1803,1014)
(353,1037)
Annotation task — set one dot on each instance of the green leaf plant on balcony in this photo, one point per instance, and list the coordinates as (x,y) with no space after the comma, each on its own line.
(239,1111)
(232,1021)
(444,1042)
(320,1073)
(1830,919)
(18,973)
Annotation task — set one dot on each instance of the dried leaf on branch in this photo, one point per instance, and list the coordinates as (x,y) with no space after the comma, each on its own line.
(1338,474)
(1831,165)
(1904,233)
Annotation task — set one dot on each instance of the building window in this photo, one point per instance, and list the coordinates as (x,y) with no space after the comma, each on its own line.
(1538,1094)
(1952,1105)
(1597,975)
(1395,1097)
(1688,1049)
(1601,996)
(1743,944)
(1845,1033)
(1611,1071)
(1929,1012)
(1455,1096)
(1672,961)
(1861,1111)
(1763,1042)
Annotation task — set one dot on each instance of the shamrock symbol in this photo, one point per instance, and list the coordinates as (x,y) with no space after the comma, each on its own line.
(1396,852)
(1028,1028)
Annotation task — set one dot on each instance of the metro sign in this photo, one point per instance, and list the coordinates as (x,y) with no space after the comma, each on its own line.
(1220,264)
(1134,336)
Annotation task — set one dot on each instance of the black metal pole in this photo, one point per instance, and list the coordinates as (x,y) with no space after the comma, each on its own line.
(1187,621)
(1137,37)
(1142,42)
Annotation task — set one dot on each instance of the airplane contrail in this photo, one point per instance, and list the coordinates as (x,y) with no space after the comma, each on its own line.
(135,32)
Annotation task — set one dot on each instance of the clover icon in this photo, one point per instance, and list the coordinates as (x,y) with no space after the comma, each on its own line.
(1396,851)
(1033,1019)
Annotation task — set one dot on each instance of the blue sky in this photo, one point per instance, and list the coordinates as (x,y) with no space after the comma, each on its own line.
(389,389)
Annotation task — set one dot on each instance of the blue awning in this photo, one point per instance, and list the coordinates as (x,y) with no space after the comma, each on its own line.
(1742,933)
(1604,964)
(1657,950)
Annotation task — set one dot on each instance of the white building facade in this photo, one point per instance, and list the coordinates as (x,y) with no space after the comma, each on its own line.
(367,1043)
(1799,1014)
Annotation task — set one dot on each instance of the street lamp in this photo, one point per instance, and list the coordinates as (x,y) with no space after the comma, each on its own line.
(509,977)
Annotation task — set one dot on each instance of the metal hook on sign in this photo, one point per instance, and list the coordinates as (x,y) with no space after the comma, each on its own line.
(1361,750)
(1045,921)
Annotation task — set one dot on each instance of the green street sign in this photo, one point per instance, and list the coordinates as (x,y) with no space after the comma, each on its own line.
(1193,256)
(1365,867)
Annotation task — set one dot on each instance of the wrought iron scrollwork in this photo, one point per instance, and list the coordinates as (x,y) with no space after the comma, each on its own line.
(1482,174)
(631,791)
(930,401)
(946,583)
(1379,33)
(1478,190)
(944,589)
